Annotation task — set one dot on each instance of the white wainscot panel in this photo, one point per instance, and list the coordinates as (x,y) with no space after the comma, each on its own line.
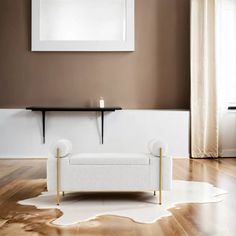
(228,134)
(124,131)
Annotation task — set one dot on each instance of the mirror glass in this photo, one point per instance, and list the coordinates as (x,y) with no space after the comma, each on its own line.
(88,20)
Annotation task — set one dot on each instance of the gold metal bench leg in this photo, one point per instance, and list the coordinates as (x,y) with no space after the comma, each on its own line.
(58,177)
(63,193)
(160,178)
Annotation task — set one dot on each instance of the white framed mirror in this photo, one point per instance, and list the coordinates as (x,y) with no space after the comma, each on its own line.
(82,25)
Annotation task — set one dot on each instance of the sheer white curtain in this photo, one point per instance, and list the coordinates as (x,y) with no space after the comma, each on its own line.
(204,93)
(213,71)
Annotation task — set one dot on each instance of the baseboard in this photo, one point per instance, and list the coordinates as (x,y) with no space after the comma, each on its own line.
(228,153)
(181,157)
(22,157)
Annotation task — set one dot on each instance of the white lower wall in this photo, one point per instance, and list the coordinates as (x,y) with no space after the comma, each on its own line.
(125,131)
(228,134)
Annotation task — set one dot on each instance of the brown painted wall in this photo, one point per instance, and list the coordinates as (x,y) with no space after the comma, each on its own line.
(156,75)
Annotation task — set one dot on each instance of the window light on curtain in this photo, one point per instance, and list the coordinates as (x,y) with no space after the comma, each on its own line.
(226,52)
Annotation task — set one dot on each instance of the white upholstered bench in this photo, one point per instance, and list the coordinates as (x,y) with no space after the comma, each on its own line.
(108,171)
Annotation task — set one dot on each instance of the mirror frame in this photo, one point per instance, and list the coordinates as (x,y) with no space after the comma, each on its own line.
(79,45)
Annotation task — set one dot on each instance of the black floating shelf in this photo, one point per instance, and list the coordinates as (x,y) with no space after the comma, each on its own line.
(43,110)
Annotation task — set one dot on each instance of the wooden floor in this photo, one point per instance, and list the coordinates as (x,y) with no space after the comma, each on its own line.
(21,179)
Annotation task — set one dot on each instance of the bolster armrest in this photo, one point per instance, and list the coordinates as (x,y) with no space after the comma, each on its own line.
(64,146)
(154,147)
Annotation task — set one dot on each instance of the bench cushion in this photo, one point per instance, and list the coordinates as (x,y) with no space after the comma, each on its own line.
(110,159)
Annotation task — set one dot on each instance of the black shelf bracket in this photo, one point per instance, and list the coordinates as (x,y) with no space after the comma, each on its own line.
(43,123)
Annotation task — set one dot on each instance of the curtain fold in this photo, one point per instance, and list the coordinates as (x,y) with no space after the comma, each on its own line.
(204,108)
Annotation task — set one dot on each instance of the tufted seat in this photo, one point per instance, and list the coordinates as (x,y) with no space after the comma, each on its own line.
(110,159)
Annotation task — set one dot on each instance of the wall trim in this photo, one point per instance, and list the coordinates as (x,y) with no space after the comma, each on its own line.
(22,157)
(186,157)
(19,157)
(228,153)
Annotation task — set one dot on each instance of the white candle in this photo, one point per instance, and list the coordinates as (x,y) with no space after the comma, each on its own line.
(101,103)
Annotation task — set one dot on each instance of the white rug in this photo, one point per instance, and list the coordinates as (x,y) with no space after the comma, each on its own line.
(141,207)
